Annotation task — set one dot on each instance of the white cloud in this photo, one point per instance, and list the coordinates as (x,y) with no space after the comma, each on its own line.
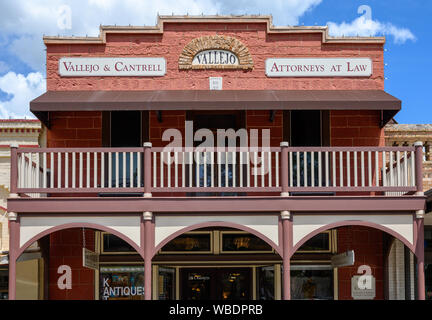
(368,27)
(21,89)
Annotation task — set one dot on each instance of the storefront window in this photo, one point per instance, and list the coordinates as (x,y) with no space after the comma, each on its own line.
(166,283)
(311,282)
(200,242)
(319,243)
(121,283)
(4,276)
(113,244)
(237,241)
(265,283)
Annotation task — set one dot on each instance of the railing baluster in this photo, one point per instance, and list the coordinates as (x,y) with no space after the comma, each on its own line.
(161,169)
(327,178)
(270,169)
(355,170)
(131,170)
(110,169)
(95,170)
(183,165)
(124,165)
(298,169)
(226,169)
(88,170)
(233,168)
(291,173)
(340,169)
(169,169)
(117,174)
(103,170)
(255,169)
(398,172)
(248,172)
(154,169)
(212,168)
(362,164)
(262,167)
(384,165)
(197,169)
(305,169)
(348,169)
(376,169)
(190,168)
(66,170)
(52,170)
(44,170)
(369,169)
(319,169)
(241,169)
(391,169)
(74,164)
(334,168)
(59,171)
(277,167)
(413,182)
(312,169)
(405,164)
(175,169)
(219,165)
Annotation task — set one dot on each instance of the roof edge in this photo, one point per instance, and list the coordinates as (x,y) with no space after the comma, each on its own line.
(161,20)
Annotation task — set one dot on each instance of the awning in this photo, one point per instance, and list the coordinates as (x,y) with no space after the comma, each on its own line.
(215,100)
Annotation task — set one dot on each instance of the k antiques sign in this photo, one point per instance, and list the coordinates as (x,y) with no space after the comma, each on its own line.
(318,67)
(215,52)
(112,67)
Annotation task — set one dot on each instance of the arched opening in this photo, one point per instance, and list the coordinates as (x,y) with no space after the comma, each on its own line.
(80,262)
(379,265)
(217,262)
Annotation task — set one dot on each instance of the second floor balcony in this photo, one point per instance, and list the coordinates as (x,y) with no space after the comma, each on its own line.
(195,172)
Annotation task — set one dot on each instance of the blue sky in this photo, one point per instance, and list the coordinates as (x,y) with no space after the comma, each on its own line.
(405,24)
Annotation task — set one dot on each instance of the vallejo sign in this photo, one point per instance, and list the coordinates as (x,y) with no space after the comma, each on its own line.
(112,67)
(318,67)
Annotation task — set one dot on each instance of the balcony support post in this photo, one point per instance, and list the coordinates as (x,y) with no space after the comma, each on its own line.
(148,253)
(147,169)
(419,252)
(284,169)
(14,230)
(419,167)
(287,248)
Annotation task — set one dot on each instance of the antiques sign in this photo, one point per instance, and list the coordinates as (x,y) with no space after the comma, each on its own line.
(318,67)
(112,67)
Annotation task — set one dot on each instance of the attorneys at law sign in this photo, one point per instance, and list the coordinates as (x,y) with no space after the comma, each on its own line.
(318,67)
(114,67)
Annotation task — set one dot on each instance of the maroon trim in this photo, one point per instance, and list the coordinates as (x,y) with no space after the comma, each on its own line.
(148,254)
(80,225)
(287,253)
(14,170)
(352,223)
(419,167)
(309,204)
(419,252)
(277,248)
(14,238)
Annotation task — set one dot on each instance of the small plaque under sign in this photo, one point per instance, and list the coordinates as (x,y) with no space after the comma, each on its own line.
(215,83)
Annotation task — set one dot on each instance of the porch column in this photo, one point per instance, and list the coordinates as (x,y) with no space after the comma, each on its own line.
(284,169)
(287,248)
(420,255)
(148,252)
(14,227)
(147,169)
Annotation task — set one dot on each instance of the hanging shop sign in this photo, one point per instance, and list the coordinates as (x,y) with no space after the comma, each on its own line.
(343,259)
(215,52)
(90,259)
(112,67)
(318,67)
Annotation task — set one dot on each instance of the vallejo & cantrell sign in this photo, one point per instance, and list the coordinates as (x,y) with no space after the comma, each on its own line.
(112,67)
(318,67)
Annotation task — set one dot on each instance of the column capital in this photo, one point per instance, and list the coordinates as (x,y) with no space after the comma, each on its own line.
(418,144)
(147,144)
(420,214)
(14,145)
(285,215)
(147,215)
(284,144)
(12,216)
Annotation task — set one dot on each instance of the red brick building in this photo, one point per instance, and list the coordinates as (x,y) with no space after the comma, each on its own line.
(311,179)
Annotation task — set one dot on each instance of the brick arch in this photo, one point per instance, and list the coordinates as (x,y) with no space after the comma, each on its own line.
(81,225)
(277,248)
(353,223)
(215,42)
